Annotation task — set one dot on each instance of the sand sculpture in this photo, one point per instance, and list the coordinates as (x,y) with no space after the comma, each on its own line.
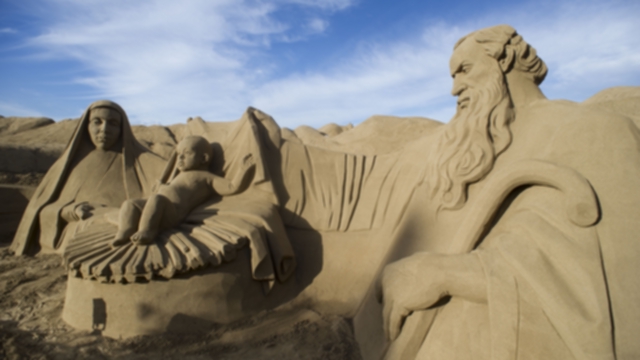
(81,196)
(102,154)
(534,227)
(507,233)
(140,220)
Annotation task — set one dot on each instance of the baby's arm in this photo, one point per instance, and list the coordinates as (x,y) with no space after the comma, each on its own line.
(224,187)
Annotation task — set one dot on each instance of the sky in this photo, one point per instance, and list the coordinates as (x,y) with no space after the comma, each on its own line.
(304,62)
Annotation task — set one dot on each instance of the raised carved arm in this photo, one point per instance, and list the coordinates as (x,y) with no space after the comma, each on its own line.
(225,187)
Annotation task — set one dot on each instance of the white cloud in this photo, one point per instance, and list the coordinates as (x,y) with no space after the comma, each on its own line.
(391,79)
(317,25)
(7,110)
(170,60)
(165,61)
(588,46)
(332,5)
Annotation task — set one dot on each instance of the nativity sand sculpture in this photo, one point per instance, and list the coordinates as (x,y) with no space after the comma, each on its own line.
(507,233)
(104,170)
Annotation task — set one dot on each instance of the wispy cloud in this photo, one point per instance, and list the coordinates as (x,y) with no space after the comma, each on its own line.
(333,5)
(170,60)
(8,31)
(165,61)
(587,45)
(317,25)
(397,78)
(7,109)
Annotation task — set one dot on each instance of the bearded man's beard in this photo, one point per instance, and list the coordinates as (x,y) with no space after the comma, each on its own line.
(470,143)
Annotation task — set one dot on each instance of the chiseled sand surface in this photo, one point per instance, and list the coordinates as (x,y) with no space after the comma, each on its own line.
(32,289)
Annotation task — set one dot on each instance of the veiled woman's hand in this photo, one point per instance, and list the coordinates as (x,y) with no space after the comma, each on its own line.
(413,283)
(248,161)
(84,211)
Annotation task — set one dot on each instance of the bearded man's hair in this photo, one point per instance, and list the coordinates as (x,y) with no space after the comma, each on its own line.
(466,150)
(503,43)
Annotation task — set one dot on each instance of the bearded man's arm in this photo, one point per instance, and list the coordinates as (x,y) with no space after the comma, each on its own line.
(514,245)
(533,246)
(421,280)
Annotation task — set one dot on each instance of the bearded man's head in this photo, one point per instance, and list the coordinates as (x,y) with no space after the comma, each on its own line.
(479,131)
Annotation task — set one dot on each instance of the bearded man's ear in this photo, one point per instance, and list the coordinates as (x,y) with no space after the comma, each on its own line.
(507,59)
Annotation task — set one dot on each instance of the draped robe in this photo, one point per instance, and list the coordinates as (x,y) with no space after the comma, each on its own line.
(85,174)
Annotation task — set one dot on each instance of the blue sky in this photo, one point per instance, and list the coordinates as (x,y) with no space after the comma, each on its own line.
(302,61)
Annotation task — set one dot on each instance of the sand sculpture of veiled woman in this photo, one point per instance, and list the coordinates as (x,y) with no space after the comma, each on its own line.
(102,166)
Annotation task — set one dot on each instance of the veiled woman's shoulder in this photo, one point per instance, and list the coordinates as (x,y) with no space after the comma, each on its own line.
(151,163)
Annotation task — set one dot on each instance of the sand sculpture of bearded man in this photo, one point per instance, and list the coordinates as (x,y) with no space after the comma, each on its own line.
(533,221)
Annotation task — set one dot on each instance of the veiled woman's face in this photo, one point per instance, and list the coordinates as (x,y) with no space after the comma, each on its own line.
(104,127)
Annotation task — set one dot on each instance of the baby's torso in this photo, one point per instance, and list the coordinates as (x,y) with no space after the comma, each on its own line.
(188,190)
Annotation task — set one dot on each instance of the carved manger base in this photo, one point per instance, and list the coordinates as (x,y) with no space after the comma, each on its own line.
(191,278)
(186,303)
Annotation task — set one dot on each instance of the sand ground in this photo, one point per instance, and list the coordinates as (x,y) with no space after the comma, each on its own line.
(32,293)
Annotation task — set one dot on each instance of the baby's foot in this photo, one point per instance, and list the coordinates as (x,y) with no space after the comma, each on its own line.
(144,237)
(118,242)
(122,238)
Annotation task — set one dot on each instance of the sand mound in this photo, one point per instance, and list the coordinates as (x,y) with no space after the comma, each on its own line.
(33,144)
(623,100)
(11,125)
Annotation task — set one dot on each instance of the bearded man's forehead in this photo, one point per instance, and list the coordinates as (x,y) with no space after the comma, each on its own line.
(466,53)
(503,41)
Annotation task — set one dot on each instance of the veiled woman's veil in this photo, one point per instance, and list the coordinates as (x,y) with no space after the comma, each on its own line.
(136,176)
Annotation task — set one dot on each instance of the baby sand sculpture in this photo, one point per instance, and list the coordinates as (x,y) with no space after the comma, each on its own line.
(140,220)
(508,233)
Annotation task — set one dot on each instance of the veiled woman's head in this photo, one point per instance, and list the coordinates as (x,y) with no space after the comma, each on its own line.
(105,127)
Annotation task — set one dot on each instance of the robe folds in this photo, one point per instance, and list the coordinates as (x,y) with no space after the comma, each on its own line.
(555,289)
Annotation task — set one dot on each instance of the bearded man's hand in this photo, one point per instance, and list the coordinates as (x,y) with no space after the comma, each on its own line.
(413,283)
(422,279)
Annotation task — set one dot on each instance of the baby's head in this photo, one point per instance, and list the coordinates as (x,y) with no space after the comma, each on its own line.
(193,153)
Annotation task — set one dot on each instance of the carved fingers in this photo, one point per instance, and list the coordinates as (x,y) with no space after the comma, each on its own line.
(397,284)
(413,283)
(83,210)
(248,161)
(393,316)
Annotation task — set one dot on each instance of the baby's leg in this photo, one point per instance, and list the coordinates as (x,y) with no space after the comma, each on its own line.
(157,211)
(128,221)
